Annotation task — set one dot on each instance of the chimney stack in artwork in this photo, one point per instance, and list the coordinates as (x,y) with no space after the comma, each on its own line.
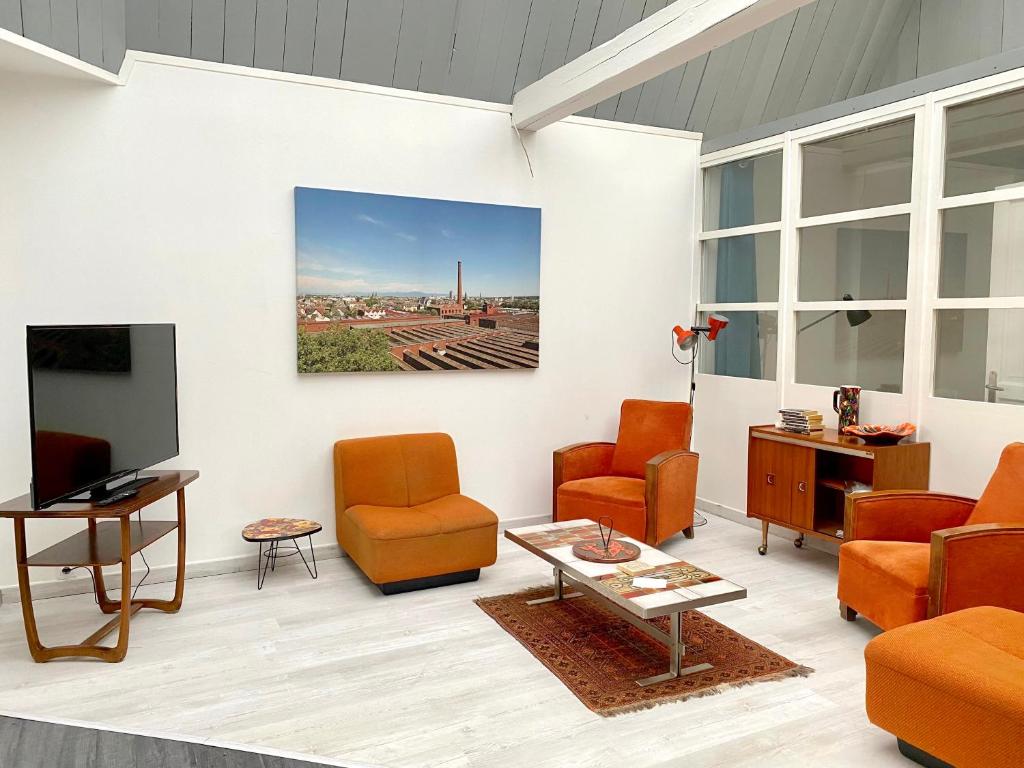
(461,305)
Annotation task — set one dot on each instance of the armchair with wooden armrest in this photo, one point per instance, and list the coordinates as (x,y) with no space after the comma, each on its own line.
(646,481)
(911,555)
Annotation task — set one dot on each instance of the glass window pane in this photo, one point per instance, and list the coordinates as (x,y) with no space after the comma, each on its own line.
(744,268)
(983,250)
(746,347)
(743,192)
(866,169)
(979,355)
(856,260)
(985,144)
(853,347)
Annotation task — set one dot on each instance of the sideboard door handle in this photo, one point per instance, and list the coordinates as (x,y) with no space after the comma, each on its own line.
(771,478)
(801,486)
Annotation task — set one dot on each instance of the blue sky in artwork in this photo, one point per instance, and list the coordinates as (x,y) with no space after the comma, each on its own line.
(355,243)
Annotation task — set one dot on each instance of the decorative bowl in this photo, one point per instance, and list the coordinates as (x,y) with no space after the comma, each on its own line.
(617,551)
(881,434)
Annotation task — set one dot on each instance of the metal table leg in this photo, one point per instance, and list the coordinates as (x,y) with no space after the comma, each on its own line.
(676,648)
(559,591)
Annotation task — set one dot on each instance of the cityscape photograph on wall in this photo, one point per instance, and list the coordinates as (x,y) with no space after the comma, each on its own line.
(389,283)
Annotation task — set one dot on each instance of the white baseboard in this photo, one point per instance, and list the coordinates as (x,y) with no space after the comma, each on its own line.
(81,583)
(739,516)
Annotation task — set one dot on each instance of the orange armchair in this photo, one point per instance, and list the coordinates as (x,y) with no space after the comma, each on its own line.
(646,481)
(911,555)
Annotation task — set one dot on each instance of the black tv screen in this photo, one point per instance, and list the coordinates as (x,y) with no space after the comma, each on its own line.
(103,404)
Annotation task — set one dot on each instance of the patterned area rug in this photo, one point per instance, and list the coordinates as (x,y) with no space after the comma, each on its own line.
(600,657)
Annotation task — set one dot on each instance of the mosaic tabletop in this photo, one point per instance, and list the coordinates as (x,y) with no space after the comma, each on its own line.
(685,586)
(278,528)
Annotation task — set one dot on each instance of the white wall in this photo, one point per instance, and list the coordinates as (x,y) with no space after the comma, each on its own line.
(170,200)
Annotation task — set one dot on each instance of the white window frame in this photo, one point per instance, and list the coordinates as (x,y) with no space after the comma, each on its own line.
(940,102)
(926,203)
(747,151)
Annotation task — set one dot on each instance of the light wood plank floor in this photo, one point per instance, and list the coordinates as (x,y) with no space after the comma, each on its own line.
(332,668)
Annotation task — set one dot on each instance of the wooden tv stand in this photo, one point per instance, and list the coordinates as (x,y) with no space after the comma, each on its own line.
(801,481)
(100,544)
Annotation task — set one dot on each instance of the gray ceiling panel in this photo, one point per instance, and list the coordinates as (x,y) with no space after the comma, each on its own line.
(328,38)
(64,26)
(208,18)
(513,35)
(239,32)
(824,53)
(487,50)
(300,36)
(271,17)
(35,18)
(114,29)
(534,42)
(372,31)
(767,71)
(686,96)
(10,16)
(174,27)
(427,47)
(584,25)
(469,28)
(90,31)
(141,20)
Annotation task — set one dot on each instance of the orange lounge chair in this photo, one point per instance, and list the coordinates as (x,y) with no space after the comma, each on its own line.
(910,555)
(646,481)
(951,689)
(400,515)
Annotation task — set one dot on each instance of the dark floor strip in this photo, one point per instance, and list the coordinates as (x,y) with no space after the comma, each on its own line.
(33,744)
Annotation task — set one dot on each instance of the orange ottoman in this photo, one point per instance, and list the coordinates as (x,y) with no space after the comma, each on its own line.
(951,689)
(401,516)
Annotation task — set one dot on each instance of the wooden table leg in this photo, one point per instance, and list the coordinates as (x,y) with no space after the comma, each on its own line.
(102,599)
(25,589)
(119,651)
(174,604)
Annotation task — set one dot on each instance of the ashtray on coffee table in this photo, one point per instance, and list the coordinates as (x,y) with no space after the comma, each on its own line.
(687,586)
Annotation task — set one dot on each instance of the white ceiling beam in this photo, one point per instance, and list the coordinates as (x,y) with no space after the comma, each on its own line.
(664,40)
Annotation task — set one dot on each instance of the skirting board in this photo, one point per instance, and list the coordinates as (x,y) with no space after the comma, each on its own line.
(738,516)
(160,574)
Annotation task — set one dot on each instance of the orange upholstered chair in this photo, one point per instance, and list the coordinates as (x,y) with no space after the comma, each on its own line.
(910,555)
(401,516)
(646,481)
(952,688)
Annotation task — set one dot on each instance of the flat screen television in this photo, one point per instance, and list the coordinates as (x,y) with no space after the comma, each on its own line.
(103,404)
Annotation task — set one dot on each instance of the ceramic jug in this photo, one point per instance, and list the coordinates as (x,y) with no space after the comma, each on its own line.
(846,402)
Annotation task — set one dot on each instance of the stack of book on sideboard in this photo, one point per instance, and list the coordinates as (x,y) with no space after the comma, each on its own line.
(800,421)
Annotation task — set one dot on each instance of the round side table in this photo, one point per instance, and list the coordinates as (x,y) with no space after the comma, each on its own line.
(272,531)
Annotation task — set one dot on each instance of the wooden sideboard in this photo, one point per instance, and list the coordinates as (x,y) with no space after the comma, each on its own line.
(801,482)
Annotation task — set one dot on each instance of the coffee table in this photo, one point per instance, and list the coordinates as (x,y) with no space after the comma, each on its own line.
(688,586)
(274,530)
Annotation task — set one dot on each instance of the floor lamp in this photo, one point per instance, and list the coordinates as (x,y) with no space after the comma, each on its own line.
(688,340)
(854,317)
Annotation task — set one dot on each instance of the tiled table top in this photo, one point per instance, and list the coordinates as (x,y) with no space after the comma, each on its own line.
(688,586)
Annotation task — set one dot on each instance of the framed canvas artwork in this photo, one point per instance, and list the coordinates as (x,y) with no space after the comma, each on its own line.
(389,283)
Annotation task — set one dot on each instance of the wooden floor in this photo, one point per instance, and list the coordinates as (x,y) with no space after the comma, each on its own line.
(334,669)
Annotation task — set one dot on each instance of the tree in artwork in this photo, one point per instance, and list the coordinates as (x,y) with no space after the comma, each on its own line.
(344,349)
